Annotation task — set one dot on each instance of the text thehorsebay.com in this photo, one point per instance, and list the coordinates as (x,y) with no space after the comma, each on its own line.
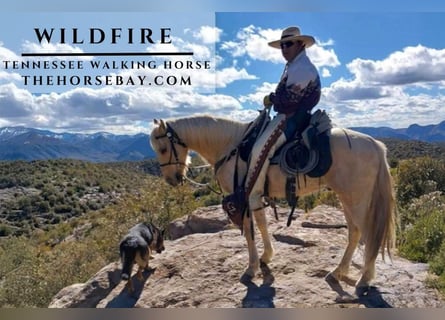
(106,68)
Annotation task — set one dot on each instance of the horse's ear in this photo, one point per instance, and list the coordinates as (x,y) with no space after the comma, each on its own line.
(160,123)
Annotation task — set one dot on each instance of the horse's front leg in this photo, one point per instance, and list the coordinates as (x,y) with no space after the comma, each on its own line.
(254,264)
(261,221)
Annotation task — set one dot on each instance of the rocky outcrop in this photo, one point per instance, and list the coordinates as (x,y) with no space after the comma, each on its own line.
(203,270)
(205,220)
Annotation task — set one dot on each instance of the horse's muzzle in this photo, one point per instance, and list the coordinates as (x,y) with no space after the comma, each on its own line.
(176,180)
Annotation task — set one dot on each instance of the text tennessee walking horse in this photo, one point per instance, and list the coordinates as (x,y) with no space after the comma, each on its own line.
(359,175)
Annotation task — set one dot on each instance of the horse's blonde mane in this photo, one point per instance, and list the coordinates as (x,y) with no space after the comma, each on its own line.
(212,131)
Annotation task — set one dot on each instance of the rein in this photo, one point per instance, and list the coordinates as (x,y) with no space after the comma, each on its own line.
(201,185)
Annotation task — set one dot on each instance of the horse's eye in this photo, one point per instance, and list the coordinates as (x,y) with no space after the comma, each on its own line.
(163,150)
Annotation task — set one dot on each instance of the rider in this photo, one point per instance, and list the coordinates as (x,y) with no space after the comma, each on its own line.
(296,94)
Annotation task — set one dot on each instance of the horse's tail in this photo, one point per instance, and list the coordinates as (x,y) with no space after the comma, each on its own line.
(381,217)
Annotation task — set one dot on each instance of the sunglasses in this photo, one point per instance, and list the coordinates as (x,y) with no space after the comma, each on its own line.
(286,44)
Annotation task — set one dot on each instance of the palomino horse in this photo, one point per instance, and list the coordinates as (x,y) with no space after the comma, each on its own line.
(359,175)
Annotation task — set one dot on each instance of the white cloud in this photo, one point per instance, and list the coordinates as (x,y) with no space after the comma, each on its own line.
(256,98)
(8,55)
(107,109)
(231,74)
(322,57)
(401,70)
(244,115)
(233,48)
(208,34)
(344,90)
(411,65)
(15,103)
(8,71)
(253,42)
(397,111)
(6,77)
(45,47)
(396,91)
(200,51)
(325,73)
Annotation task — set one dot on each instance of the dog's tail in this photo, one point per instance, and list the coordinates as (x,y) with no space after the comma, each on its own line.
(128,254)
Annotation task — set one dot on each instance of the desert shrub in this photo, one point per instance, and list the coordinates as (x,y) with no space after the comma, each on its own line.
(17,255)
(5,230)
(14,252)
(62,208)
(410,214)
(310,201)
(328,198)
(31,280)
(420,176)
(165,203)
(307,202)
(212,199)
(424,229)
(437,264)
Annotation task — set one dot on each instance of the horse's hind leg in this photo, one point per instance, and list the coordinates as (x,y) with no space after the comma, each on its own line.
(261,221)
(254,264)
(341,271)
(368,271)
(354,234)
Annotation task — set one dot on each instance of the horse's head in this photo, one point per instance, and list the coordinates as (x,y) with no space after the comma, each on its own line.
(171,152)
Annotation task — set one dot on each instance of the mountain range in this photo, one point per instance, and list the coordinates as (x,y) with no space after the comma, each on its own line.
(21,143)
(428,133)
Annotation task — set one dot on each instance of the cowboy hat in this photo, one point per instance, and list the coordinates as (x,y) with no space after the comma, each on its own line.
(293,34)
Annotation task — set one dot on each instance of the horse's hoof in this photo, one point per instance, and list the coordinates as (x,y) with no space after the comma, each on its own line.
(346,298)
(251,272)
(245,278)
(330,278)
(266,258)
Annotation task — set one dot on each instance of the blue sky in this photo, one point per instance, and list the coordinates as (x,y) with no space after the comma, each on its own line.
(377,68)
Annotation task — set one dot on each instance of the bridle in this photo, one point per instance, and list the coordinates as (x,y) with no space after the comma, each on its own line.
(173,137)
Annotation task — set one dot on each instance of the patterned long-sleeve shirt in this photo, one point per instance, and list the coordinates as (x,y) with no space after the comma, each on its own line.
(299,87)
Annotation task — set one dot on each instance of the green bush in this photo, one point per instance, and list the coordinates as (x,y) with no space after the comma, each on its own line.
(420,176)
(328,198)
(5,230)
(438,262)
(421,202)
(310,201)
(422,237)
(212,199)
(30,277)
(419,207)
(33,270)
(307,202)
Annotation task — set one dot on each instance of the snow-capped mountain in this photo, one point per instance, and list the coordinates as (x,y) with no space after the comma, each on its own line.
(20,143)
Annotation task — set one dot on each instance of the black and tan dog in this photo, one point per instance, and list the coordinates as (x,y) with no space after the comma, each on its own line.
(136,247)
